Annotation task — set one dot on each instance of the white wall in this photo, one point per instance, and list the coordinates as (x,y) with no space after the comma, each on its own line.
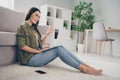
(111,12)
(7,3)
(24,5)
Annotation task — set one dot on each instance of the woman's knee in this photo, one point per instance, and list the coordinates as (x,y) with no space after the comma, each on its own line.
(60,46)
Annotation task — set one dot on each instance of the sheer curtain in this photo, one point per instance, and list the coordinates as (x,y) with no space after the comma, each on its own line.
(7,3)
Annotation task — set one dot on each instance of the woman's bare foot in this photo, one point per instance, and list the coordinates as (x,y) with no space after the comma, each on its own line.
(89,70)
(98,71)
(88,66)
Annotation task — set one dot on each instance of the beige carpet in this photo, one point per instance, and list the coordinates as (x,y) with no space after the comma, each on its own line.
(57,70)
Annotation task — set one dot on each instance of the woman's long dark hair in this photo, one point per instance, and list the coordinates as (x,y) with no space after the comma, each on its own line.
(30,12)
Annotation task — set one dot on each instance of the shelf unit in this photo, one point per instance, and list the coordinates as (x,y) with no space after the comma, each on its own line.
(50,13)
(58,18)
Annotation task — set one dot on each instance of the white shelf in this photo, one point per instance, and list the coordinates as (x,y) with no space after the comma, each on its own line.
(57,17)
(50,21)
(55,13)
(51,11)
(59,13)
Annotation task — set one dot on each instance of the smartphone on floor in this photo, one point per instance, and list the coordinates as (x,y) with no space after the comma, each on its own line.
(40,72)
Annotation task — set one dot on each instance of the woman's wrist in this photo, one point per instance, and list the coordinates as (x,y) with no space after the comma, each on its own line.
(47,34)
(40,51)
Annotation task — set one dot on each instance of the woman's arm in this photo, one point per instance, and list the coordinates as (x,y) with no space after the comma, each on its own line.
(31,50)
(44,38)
(49,31)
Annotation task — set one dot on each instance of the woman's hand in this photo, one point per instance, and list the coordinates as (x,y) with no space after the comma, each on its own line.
(43,49)
(50,30)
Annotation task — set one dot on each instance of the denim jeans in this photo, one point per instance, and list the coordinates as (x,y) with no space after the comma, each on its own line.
(49,55)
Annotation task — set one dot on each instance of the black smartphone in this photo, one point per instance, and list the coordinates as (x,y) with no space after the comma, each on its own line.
(41,72)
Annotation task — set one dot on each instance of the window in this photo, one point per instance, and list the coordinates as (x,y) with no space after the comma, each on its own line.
(7,3)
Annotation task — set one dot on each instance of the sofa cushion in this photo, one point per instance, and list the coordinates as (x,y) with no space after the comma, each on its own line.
(7,38)
(7,55)
(10,19)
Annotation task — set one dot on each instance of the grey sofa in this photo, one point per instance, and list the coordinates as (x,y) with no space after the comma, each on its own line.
(9,21)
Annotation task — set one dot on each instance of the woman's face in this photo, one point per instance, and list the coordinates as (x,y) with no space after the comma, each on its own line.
(35,17)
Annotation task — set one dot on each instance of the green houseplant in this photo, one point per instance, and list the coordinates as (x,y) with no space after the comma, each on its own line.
(83,12)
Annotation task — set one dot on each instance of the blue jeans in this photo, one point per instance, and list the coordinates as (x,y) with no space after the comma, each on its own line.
(49,55)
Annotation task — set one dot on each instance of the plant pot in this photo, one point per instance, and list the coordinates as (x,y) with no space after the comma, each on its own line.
(80,48)
(65,25)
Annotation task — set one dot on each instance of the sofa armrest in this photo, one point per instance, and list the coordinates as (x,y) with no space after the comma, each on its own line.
(7,38)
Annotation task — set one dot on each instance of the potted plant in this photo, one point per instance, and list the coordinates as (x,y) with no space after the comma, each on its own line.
(83,12)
